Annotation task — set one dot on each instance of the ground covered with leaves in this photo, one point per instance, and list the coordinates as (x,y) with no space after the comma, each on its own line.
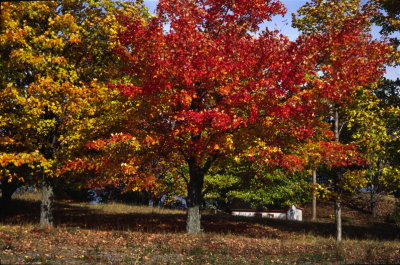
(121,234)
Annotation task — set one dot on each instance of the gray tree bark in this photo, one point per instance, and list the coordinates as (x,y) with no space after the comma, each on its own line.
(374,188)
(195,197)
(46,207)
(314,195)
(193,222)
(338,206)
(338,214)
(374,200)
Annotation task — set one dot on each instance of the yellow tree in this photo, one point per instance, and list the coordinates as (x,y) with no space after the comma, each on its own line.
(56,57)
(374,125)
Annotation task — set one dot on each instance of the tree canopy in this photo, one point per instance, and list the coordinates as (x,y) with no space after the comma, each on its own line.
(208,86)
(57,59)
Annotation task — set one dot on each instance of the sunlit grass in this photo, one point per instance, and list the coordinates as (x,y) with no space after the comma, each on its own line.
(111,208)
(27,196)
(121,208)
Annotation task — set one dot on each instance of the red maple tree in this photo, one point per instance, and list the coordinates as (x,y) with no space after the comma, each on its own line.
(210,84)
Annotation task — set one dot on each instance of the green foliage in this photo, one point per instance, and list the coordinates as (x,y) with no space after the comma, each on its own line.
(388,92)
(373,123)
(256,184)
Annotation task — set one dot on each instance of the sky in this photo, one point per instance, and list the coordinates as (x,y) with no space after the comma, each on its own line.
(283,24)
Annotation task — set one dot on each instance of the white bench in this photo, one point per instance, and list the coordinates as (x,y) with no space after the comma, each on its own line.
(292,214)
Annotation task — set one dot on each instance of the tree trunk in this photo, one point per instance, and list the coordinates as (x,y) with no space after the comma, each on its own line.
(374,188)
(373,200)
(195,197)
(46,208)
(7,190)
(338,206)
(314,195)
(6,195)
(338,215)
(336,129)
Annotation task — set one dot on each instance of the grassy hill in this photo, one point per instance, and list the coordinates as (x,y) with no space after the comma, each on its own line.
(125,234)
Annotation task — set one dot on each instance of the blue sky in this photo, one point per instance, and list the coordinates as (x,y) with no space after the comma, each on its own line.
(283,24)
(279,22)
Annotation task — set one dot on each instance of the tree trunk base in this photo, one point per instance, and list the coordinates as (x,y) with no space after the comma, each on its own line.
(46,207)
(338,215)
(314,196)
(374,201)
(193,220)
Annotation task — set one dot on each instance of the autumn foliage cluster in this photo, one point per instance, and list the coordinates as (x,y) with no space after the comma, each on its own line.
(102,93)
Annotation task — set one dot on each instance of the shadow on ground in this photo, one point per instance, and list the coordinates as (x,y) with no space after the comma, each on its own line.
(67,215)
